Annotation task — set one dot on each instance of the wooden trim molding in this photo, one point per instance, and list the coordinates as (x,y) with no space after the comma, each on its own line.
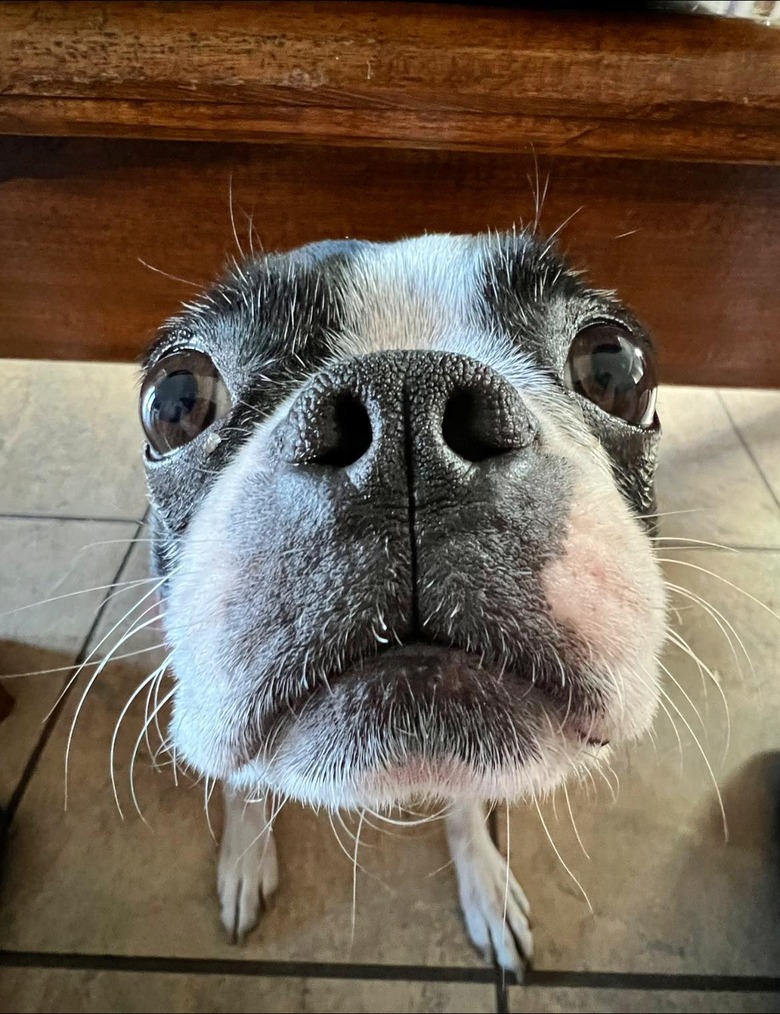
(693,247)
(449,76)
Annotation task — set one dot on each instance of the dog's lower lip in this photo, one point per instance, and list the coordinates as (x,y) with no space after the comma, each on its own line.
(427,660)
(415,649)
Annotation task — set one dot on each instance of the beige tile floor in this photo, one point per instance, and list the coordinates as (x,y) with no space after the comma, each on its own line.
(669,895)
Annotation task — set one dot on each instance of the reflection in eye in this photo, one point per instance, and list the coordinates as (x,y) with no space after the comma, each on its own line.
(608,367)
(182,396)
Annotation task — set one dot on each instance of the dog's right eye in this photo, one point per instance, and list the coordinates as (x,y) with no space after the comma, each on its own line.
(182,396)
(607,366)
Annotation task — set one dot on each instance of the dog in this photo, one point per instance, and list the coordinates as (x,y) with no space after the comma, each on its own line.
(402,499)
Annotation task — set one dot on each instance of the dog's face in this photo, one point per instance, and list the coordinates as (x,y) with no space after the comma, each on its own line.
(400,497)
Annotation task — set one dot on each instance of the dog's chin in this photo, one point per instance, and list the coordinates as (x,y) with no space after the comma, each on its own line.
(422,721)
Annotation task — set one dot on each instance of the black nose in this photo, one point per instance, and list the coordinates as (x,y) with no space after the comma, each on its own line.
(344,435)
(396,417)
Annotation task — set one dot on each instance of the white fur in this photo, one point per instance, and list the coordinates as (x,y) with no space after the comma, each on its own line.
(415,294)
(494,905)
(592,589)
(248,871)
(423,293)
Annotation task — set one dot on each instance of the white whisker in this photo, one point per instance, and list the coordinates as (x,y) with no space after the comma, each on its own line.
(693,542)
(207,793)
(121,586)
(86,665)
(507,873)
(682,690)
(115,734)
(91,682)
(723,623)
(718,577)
(561,860)
(165,274)
(134,754)
(683,645)
(233,218)
(573,822)
(267,826)
(706,761)
(354,880)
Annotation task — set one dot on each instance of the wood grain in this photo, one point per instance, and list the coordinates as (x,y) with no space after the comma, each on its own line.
(411,75)
(694,248)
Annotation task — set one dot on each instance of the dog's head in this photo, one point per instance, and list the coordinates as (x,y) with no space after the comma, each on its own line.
(401,498)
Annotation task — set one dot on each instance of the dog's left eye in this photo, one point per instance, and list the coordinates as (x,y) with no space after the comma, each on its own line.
(182,396)
(607,366)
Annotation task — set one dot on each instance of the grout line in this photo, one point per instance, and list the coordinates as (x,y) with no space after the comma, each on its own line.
(250,967)
(749,451)
(654,981)
(552,978)
(32,761)
(13,516)
(502,996)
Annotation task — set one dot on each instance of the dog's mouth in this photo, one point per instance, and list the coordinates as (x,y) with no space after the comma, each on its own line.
(415,668)
(424,716)
(424,669)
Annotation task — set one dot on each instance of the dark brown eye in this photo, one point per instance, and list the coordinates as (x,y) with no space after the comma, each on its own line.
(182,396)
(607,366)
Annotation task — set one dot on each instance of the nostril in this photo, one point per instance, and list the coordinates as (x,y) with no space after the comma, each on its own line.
(471,427)
(348,436)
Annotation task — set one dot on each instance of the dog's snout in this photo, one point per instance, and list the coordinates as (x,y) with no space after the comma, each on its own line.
(394,417)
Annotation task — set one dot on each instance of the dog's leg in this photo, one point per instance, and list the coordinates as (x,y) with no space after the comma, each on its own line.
(248,871)
(494,905)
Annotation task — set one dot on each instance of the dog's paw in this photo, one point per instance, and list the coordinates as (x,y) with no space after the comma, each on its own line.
(248,872)
(494,906)
(496,910)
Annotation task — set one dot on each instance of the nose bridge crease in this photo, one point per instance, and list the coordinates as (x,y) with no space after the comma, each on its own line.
(409,460)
